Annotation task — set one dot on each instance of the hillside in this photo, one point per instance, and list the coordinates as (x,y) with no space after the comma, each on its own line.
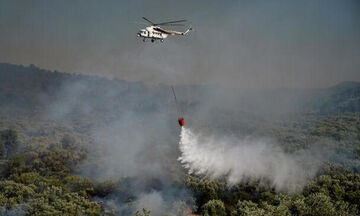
(85,145)
(36,88)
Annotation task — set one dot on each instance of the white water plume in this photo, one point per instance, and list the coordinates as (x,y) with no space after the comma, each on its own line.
(247,159)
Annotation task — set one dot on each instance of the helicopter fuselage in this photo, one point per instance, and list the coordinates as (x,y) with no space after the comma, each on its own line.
(153,34)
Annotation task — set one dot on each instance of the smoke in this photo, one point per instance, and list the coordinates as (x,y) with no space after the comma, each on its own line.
(129,147)
(19,210)
(246,159)
(155,202)
(152,201)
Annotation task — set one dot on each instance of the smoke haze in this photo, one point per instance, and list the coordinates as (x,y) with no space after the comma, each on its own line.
(252,44)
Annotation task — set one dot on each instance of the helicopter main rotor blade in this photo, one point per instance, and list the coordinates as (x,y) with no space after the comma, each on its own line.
(148,20)
(178,21)
(174,24)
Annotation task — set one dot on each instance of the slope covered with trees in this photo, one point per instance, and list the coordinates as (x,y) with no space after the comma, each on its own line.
(49,136)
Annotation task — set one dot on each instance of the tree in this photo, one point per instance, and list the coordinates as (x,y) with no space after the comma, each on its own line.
(2,149)
(279,210)
(15,165)
(248,208)
(205,190)
(12,193)
(10,139)
(145,212)
(319,204)
(68,142)
(102,189)
(214,208)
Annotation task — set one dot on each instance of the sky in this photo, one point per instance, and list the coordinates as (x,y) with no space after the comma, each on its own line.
(244,43)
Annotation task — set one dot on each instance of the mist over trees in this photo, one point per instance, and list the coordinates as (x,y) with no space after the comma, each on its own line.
(84,145)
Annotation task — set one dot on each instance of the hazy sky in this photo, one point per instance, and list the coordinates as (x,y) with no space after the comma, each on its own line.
(248,43)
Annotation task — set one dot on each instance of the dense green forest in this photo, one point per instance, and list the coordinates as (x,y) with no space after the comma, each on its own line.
(56,134)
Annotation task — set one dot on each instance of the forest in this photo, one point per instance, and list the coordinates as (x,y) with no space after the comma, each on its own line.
(74,144)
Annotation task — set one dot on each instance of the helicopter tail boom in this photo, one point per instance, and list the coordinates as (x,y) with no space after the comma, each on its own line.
(171,32)
(187,31)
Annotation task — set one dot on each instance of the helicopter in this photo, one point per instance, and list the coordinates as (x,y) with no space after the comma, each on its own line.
(156,32)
